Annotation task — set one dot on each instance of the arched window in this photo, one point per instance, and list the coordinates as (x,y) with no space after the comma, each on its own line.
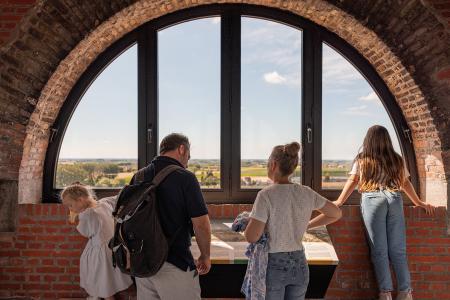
(237,80)
(100,143)
(349,107)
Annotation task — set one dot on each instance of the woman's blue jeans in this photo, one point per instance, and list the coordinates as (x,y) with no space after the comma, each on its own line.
(383,217)
(287,276)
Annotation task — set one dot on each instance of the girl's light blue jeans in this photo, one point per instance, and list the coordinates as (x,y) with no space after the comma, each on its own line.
(384,220)
(287,276)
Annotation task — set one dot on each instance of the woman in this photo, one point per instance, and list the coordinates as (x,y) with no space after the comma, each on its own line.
(283,210)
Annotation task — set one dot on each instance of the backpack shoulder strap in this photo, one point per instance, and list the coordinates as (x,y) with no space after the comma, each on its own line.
(164,173)
(139,176)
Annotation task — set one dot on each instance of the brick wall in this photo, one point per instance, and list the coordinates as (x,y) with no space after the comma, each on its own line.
(407,43)
(41,258)
(11,13)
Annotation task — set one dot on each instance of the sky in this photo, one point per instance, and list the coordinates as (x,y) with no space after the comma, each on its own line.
(104,125)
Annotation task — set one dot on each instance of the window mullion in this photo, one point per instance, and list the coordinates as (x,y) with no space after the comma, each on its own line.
(234,41)
(317,111)
(225,110)
(308,95)
(147,95)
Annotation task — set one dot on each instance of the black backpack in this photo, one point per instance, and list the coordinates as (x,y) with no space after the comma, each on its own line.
(139,245)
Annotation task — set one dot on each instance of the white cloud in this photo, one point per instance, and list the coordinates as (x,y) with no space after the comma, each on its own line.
(274,78)
(372,97)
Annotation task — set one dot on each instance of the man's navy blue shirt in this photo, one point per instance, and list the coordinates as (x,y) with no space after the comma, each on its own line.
(179,199)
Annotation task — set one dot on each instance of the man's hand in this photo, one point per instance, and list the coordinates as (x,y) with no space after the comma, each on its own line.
(203,264)
(202,229)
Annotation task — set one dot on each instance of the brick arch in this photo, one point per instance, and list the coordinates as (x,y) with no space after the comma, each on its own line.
(422,100)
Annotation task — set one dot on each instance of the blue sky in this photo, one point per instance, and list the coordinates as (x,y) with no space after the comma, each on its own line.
(104,124)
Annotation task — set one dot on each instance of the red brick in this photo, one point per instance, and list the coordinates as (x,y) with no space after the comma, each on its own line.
(10,286)
(438,268)
(50,278)
(65,278)
(53,238)
(5,245)
(66,287)
(227,211)
(34,278)
(72,271)
(76,238)
(35,253)
(48,262)
(26,221)
(50,270)
(26,237)
(53,222)
(10,253)
(37,229)
(67,253)
(36,286)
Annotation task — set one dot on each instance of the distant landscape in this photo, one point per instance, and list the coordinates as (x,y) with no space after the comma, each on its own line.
(115,173)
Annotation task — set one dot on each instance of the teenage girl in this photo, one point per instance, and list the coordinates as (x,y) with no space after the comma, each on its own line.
(381,174)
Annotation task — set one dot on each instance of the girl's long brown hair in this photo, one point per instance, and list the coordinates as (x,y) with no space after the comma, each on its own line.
(380,165)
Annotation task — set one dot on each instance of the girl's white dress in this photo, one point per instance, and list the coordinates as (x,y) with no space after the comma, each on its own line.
(97,275)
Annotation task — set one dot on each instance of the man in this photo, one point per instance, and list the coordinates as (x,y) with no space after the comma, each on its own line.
(181,208)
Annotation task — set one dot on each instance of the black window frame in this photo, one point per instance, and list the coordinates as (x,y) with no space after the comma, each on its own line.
(147,63)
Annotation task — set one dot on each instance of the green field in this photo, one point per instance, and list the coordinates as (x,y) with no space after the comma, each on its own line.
(117,173)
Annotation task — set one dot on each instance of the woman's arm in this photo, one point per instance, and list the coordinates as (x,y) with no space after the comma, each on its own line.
(349,187)
(329,213)
(411,193)
(254,230)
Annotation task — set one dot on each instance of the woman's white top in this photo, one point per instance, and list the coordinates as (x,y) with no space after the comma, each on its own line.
(97,275)
(286,209)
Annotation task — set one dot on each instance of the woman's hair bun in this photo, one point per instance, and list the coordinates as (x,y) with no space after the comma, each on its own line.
(292,149)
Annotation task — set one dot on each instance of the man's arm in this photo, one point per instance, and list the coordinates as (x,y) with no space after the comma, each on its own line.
(202,229)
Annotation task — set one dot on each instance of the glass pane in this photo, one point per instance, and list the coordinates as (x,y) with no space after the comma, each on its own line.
(270,95)
(100,144)
(350,106)
(189,92)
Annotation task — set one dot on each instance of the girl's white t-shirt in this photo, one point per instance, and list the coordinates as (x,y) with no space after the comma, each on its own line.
(286,209)
(356,170)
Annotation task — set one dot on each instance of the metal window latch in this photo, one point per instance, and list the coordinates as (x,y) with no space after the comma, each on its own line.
(53,132)
(150,134)
(407,133)
(309,134)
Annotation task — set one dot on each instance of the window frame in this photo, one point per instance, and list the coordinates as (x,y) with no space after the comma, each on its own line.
(230,92)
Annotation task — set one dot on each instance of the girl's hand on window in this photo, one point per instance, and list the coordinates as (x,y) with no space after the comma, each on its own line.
(430,209)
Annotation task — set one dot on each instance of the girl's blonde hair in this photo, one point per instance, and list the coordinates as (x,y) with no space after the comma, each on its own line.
(76,191)
(286,156)
(380,165)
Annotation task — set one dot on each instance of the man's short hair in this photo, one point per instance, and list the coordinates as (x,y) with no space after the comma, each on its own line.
(172,142)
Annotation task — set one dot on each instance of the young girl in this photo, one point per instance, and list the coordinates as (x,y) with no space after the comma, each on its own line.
(97,275)
(381,174)
(283,210)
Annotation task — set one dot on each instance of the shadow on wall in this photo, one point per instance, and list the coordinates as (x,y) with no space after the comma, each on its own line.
(8,205)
